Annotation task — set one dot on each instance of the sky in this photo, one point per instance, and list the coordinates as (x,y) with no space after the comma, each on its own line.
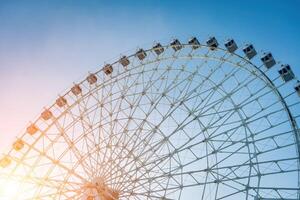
(46,46)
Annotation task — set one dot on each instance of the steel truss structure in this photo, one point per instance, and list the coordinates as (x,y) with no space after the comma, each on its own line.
(176,121)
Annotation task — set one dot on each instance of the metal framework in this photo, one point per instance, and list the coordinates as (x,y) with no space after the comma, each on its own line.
(177,121)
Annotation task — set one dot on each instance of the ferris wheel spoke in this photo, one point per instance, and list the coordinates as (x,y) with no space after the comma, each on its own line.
(211,104)
(128,188)
(148,170)
(144,190)
(237,190)
(239,86)
(146,195)
(248,122)
(199,158)
(86,126)
(76,152)
(129,140)
(53,160)
(247,132)
(176,150)
(125,127)
(141,166)
(256,134)
(134,160)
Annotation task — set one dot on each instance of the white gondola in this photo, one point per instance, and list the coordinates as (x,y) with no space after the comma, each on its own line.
(194,43)
(92,78)
(124,61)
(32,129)
(141,54)
(18,145)
(46,115)
(176,45)
(212,43)
(286,73)
(231,46)
(61,101)
(158,48)
(76,89)
(249,51)
(297,88)
(5,161)
(108,69)
(268,60)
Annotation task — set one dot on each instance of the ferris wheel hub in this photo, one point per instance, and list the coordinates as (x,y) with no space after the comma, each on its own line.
(99,190)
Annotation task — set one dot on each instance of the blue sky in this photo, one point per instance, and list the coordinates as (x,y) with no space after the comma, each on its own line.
(47,45)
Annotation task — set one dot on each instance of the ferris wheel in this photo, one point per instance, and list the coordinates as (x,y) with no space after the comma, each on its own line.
(194,120)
